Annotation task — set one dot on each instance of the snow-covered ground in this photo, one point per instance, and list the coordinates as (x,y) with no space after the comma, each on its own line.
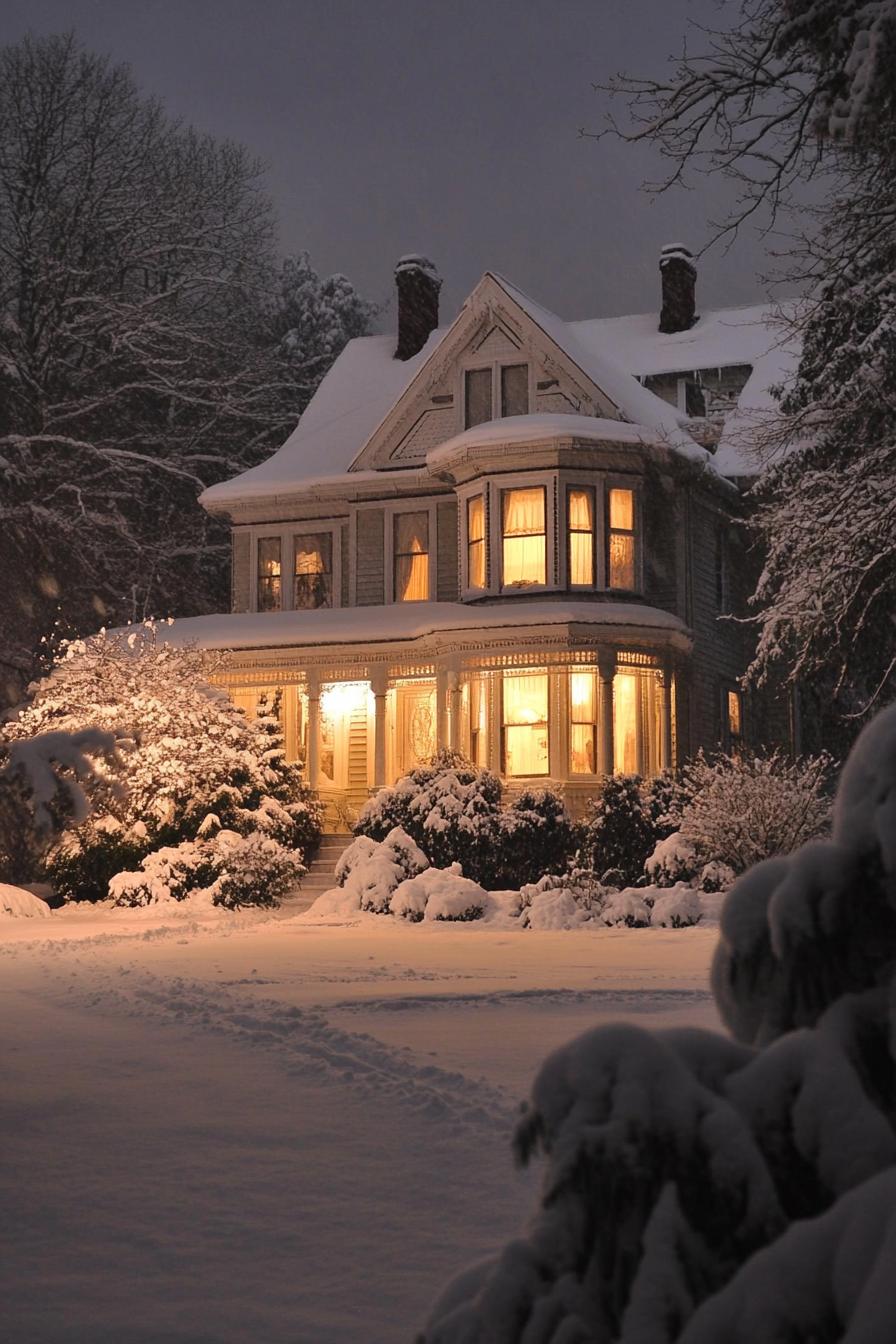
(221,1127)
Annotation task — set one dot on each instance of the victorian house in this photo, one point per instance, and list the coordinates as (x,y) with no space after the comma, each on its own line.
(513,535)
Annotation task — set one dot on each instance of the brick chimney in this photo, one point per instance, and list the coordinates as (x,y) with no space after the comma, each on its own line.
(418,284)
(679,277)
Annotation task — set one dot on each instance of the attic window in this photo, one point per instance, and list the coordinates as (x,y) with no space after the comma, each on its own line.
(495,392)
(478,397)
(515,389)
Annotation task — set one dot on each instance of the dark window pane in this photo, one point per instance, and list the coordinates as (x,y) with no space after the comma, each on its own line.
(478,398)
(515,389)
(269,574)
(313,583)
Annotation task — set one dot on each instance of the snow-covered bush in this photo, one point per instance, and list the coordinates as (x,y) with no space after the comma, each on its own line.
(439,893)
(231,870)
(193,761)
(450,808)
(674,859)
(20,904)
(536,836)
(701,1188)
(619,831)
(369,871)
(742,809)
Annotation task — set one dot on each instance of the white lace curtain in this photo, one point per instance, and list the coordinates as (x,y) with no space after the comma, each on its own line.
(412,557)
(581,536)
(523,522)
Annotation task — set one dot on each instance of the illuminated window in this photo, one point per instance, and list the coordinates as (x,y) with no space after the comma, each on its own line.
(477,397)
(476,542)
(583,723)
(269,579)
(411,553)
(515,389)
(523,537)
(621,568)
(734,719)
(478,689)
(525,724)
(581,536)
(313,571)
(626,708)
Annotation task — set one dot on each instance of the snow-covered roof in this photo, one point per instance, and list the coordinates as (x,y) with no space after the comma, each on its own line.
(404,621)
(366,381)
(525,429)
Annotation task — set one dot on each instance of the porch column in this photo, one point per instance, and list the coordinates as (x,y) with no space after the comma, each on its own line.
(312,765)
(378,686)
(442,675)
(453,709)
(666,718)
(289,719)
(606,671)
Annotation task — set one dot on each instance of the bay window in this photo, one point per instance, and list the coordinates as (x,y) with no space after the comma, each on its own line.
(476,542)
(524,724)
(523,537)
(621,567)
(411,557)
(583,723)
(269,574)
(580,504)
(626,734)
(313,571)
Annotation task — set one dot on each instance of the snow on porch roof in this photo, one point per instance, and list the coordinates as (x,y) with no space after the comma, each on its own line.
(404,621)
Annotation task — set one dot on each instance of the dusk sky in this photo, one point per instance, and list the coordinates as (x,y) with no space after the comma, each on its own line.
(396,126)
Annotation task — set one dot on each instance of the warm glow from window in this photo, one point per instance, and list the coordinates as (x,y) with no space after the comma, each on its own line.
(621,560)
(626,686)
(581,536)
(476,542)
(269,579)
(525,724)
(523,534)
(411,557)
(478,689)
(583,723)
(313,580)
(734,715)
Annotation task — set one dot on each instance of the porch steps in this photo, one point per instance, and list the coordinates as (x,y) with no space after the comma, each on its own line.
(320,876)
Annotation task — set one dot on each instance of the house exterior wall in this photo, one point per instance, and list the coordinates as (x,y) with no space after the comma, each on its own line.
(369,572)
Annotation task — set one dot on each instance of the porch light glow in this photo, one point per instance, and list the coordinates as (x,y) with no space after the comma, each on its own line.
(344,698)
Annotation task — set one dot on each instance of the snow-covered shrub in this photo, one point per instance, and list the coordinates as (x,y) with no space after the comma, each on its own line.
(231,870)
(49,782)
(665,796)
(439,893)
(192,759)
(536,836)
(619,831)
(553,909)
(628,907)
(450,808)
(676,908)
(746,808)
(370,870)
(674,859)
(20,904)
(701,1188)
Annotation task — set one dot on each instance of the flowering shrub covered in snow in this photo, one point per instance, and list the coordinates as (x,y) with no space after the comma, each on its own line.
(193,762)
(701,1188)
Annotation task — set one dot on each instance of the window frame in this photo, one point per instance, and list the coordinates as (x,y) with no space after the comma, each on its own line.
(592,671)
(316,532)
(472,364)
(287,532)
(619,482)
(594,485)
(549,727)
(464,520)
(731,742)
(423,504)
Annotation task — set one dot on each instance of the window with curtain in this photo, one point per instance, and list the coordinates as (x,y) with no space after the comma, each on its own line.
(626,708)
(515,389)
(581,536)
(524,726)
(478,700)
(313,571)
(269,574)
(734,721)
(476,542)
(477,397)
(621,560)
(411,552)
(583,723)
(524,550)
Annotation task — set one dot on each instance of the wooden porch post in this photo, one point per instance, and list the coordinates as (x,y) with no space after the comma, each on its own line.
(378,685)
(666,716)
(442,676)
(453,709)
(313,762)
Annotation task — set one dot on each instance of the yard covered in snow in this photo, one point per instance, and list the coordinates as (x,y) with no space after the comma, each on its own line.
(234,1127)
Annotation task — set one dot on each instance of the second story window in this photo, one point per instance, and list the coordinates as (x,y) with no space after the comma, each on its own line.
(581,536)
(411,557)
(523,537)
(313,571)
(621,568)
(476,542)
(269,574)
(477,397)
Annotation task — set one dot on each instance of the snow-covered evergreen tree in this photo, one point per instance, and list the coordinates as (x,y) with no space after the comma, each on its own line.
(193,763)
(147,346)
(700,1188)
